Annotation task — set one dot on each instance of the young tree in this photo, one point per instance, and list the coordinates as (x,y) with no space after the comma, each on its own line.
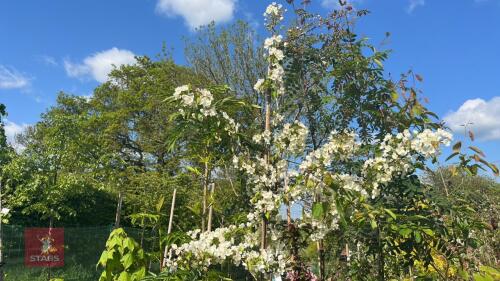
(358,179)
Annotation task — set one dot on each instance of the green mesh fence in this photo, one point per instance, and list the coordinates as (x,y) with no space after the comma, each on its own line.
(82,249)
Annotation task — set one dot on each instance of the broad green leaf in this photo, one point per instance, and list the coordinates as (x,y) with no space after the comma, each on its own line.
(428,232)
(390,213)
(127,260)
(405,232)
(124,276)
(318,210)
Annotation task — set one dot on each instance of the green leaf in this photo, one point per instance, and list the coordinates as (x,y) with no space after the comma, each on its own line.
(394,96)
(390,213)
(428,232)
(405,232)
(457,146)
(127,260)
(452,155)
(491,271)
(479,277)
(103,259)
(124,276)
(477,150)
(159,204)
(418,236)
(378,62)
(193,170)
(318,210)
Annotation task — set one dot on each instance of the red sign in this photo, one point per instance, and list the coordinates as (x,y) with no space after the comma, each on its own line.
(44,247)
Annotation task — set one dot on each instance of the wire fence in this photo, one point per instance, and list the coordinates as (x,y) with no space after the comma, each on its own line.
(82,248)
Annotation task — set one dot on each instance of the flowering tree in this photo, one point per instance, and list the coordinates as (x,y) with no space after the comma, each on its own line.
(339,180)
(345,171)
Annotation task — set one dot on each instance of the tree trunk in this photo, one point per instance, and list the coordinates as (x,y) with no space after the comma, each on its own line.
(118,209)
(169,229)
(266,128)
(210,209)
(321,259)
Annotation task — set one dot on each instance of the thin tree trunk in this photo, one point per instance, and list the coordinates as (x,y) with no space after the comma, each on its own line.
(210,209)
(119,209)
(321,259)
(205,191)
(169,229)
(263,241)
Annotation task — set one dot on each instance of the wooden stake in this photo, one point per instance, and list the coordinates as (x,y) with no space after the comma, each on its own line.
(169,229)
(210,209)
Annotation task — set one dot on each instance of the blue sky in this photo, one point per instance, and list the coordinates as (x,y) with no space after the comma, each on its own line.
(60,45)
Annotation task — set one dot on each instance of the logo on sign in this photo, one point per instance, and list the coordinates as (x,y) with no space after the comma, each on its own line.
(44,247)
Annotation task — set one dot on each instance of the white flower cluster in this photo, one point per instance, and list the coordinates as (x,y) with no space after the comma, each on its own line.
(427,143)
(275,57)
(275,54)
(273,15)
(198,105)
(292,138)
(340,146)
(270,260)
(263,138)
(399,153)
(259,86)
(199,98)
(205,249)
(218,246)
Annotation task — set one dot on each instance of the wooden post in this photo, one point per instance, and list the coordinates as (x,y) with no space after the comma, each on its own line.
(210,209)
(169,230)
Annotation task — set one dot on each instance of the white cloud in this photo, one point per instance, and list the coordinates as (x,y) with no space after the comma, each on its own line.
(413,4)
(48,60)
(198,12)
(11,131)
(335,4)
(100,64)
(483,117)
(12,79)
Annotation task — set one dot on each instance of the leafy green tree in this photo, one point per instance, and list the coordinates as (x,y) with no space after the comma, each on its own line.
(4,147)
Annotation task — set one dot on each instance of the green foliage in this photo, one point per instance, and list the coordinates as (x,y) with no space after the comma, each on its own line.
(129,138)
(487,273)
(5,149)
(123,259)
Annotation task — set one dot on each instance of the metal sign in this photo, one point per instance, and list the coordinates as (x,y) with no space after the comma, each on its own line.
(44,247)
